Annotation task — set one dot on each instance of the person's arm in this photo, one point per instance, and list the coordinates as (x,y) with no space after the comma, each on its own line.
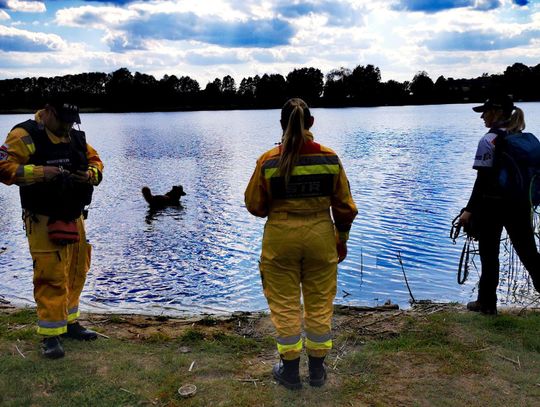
(15,154)
(95,165)
(256,195)
(343,211)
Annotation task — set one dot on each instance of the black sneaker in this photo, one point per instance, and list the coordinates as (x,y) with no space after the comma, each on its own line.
(317,371)
(52,348)
(477,306)
(78,332)
(286,373)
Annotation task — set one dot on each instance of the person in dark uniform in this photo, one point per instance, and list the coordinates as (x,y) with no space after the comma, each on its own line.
(491,210)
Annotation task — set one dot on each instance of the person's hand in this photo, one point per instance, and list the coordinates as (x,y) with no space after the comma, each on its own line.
(80,176)
(465,218)
(50,172)
(341,250)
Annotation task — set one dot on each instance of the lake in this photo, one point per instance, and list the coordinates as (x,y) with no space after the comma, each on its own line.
(410,170)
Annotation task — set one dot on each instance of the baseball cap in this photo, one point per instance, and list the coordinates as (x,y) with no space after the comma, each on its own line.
(503,102)
(65,111)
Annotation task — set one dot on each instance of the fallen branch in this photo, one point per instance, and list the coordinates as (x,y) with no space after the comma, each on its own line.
(20,353)
(515,362)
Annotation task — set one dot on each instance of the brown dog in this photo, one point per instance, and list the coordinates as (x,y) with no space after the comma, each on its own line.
(171,198)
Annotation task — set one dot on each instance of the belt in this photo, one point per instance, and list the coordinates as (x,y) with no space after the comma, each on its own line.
(298,215)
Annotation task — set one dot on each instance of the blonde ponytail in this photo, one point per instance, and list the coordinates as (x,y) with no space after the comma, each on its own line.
(296,114)
(516,122)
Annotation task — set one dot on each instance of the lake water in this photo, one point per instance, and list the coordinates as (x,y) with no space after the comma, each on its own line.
(410,173)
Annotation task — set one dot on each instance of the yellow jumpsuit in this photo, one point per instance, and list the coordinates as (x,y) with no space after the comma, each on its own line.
(59,270)
(299,256)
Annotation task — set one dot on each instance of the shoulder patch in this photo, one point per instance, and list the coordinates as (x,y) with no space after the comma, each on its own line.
(4,152)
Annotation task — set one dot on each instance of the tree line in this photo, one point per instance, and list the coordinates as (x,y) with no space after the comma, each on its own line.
(122,91)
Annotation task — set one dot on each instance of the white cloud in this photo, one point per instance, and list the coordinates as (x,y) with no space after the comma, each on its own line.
(4,15)
(14,39)
(26,6)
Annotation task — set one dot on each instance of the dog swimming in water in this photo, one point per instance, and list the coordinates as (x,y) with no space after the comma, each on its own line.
(171,198)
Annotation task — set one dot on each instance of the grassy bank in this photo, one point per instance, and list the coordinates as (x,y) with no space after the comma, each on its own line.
(430,356)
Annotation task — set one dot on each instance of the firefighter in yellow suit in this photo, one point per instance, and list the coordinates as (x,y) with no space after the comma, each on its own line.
(302,188)
(55,170)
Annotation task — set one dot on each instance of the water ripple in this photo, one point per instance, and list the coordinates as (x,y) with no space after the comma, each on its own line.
(409,170)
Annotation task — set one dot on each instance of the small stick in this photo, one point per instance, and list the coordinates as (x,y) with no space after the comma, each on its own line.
(248,380)
(482,350)
(103,335)
(510,360)
(405,275)
(191,367)
(127,391)
(20,353)
(336,362)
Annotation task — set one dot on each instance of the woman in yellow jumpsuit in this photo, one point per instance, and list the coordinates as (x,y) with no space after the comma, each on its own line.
(302,188)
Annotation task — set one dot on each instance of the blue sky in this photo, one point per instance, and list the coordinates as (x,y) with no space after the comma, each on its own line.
(206,39)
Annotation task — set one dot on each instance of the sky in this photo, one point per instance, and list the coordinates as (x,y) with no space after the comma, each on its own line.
(207,39)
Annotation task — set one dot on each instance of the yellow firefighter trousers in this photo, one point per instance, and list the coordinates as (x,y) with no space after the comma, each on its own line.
(59,275)
(299,258)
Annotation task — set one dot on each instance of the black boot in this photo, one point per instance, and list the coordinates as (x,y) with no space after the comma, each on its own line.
(286,373)
(76,331)
(52,347)
(477,306)
(317,371)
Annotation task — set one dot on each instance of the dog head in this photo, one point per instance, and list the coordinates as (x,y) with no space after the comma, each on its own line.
(176,192)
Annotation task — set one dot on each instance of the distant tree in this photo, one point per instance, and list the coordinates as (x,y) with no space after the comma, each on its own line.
(119,88)
(271,90)
(364,84)
(228,85)
(535,82)
(228,90)
(336,88)
(248,87)
(422,88)
(188,85)
(394,92)
(145,90)
(518,80)
(306,83)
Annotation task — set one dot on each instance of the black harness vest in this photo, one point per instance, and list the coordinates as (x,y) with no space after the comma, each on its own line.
(60,198)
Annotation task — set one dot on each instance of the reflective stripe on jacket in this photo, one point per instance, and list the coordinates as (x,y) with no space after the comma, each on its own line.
(317,182)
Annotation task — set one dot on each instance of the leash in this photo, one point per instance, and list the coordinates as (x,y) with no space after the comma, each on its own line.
(465,258)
